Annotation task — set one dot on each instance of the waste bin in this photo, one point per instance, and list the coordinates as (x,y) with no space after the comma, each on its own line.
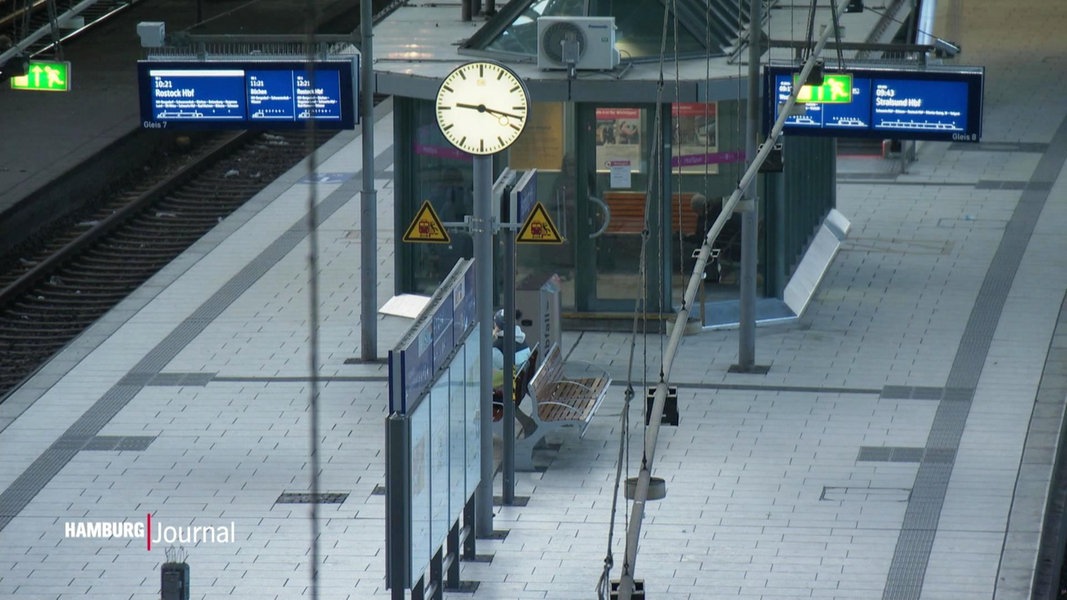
(537,298)
(174,581)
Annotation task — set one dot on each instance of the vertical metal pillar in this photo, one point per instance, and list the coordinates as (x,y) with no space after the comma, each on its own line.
(437,579)
(368,205)
(779,230)
(508,434)
(483,264)
(397,505)
(470,548)
(746,352)
(452,572)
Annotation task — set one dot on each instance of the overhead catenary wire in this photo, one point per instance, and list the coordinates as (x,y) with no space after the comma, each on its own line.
(639,318)
(633,533)
(311,19)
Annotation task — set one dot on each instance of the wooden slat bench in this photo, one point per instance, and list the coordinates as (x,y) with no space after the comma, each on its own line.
(562,395)
(628,213)
(627,219)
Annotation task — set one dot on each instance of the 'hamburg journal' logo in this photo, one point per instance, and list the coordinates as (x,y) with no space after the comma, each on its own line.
(153,533)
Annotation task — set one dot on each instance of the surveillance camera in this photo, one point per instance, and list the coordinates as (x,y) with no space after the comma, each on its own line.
(945,48)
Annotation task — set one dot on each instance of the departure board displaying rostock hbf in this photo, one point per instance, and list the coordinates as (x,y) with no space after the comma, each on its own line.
(219,95)
(928,104)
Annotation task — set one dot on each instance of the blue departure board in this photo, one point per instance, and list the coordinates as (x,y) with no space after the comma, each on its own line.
(855,115)
(214,95)
(930,104)
(936,106)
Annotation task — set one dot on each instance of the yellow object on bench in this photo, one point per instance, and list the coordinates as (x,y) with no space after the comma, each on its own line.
(562,395)
(520,384)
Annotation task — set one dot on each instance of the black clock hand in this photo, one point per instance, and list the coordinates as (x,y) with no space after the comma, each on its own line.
(484,108)
(502,113)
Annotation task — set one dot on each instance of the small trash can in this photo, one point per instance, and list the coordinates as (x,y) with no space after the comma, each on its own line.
(174,581)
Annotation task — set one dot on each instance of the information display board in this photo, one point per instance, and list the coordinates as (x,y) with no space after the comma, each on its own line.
(427,346)
(932,104)
(245,95)
(433,433)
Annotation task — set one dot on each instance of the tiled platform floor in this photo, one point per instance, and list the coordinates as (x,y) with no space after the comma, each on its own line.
(900,445)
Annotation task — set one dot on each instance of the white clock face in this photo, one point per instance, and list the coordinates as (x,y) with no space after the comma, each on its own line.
(482,107)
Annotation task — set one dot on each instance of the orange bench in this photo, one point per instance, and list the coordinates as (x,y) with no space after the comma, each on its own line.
(628,213)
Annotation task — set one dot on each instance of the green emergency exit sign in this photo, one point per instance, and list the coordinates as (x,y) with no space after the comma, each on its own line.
(44,76)
(836,88)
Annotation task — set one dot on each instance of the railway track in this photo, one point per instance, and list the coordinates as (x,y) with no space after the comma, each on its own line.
(54,287)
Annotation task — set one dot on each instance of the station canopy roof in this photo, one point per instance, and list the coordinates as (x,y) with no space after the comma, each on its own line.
(695,28)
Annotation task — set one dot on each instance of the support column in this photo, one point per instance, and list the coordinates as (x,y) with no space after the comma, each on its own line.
(483,264)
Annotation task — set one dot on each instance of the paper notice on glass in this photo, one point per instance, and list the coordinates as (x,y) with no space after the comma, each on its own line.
(620,173)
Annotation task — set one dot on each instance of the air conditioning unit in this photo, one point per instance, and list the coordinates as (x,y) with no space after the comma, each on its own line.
(586,43)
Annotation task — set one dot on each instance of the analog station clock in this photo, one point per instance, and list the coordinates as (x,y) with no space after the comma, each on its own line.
(482,107)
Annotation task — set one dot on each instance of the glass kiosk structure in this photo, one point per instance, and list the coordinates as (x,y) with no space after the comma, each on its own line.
(598,163)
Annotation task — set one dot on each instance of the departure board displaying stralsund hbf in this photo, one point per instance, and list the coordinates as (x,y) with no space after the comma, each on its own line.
(927,104)
(220,95)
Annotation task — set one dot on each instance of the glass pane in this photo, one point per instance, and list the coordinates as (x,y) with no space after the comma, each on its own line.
(617,210)
(547,145)
(521,36)
(442,176)
(639,25)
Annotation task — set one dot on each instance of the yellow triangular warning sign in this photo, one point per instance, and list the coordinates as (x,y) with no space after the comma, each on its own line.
(427,227)
(539,228)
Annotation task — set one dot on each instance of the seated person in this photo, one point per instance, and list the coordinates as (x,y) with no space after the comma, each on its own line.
(522,354)
(729,238)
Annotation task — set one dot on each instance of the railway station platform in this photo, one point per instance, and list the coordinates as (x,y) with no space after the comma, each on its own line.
(901,445)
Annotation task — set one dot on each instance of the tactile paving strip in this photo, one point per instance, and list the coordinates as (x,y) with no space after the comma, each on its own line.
(912,552)
(119,443)
(306,498)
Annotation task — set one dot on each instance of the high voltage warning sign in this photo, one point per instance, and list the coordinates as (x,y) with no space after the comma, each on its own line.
(427,227)
(539,228)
